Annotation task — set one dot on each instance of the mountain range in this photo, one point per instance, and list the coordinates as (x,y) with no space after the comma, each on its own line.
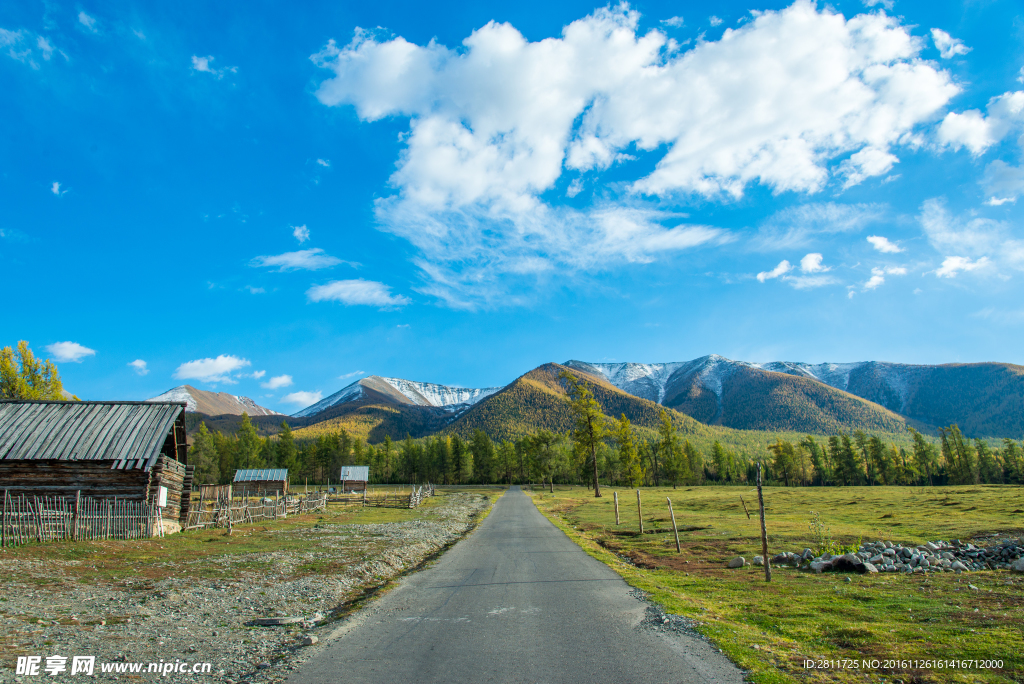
(213,403)
(984,399)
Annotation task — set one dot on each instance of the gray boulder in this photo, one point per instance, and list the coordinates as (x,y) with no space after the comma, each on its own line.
(737,562)
(1017,565)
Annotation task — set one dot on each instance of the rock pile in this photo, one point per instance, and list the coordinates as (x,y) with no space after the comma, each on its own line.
(937,556)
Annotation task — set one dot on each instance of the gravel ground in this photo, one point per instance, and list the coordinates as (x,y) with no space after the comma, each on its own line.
(193,619)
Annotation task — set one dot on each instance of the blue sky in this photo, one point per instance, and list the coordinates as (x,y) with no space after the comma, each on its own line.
(274,201)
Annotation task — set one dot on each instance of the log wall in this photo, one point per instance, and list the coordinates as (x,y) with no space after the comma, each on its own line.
(168,473)
(64,478)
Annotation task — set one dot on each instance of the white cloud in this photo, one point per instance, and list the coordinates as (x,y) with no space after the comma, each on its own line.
(204,65)
(255,290)
(887,4)
(883,245)
(302,398)
(976,131)
(69,351)
(56,190)
(783,267)
(301,233)
(357,292)
(878,276)
(974,236)
(27,47)
(1002,182)
(798,225)
(714,21)
(808,282)
(326,163)
(256,375)
(211,370)
(353,374)
(88,22)
(999,201)
(870,161)
(140,367)
(951,266)
(277,382)
(947,45)
(812,264)
(306,259)
(495,123)
(672,22)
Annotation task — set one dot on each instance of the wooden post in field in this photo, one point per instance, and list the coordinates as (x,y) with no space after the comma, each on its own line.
(3,524)
(616,494)
(764,531)
(745,507)
(74,518)
(640,511)
(674,529)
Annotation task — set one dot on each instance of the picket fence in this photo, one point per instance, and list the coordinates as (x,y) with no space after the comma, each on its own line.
(54,518)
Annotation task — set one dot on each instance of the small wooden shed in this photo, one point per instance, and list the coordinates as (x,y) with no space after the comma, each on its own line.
(102,449)
(354,478)
(261,482)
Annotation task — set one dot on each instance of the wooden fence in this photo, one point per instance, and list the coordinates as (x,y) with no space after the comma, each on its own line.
(385,498)
(54,518)
(222,512)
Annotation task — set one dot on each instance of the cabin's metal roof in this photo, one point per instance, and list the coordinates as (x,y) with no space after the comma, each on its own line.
(130,433)
(261,475)
(357,473)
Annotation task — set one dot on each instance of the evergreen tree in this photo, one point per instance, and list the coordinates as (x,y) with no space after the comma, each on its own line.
(203,455)
(1013,463)
(249,445)
(694,463)
(482,450)
(28,377)
(817,457)
(990,471)
(629,457)
(458,448)
(287,455)
(959,456)
(590,423)
(925,458)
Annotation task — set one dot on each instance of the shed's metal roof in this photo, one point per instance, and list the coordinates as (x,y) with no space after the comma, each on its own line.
(261,475)
(357,473)
(130,433)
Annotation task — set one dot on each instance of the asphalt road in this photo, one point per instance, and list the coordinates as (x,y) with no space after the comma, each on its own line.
(516,601)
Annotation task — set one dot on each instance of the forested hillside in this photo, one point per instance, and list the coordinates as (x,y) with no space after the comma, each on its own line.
(537,401)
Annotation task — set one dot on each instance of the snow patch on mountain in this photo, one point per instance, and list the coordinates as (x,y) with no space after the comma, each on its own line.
(644,380)
(178,394)
(429,394)
(349,393)
(213,403)
(454,399)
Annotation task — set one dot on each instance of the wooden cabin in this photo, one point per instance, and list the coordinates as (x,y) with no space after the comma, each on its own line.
(126,450)
(354,478)
(260,482)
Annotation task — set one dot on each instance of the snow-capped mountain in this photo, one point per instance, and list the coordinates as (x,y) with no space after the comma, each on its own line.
(888,384)
(403,391)
(213,403)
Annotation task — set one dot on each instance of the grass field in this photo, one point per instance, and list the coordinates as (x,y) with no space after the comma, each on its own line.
(771,629)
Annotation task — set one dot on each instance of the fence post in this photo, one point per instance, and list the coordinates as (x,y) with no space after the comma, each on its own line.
(764,531)
(3,525)
(616,495)
(675,530)
(74,518)
(640,511)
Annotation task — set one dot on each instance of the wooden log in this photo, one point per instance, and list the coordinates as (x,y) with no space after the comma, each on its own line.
(3,522)
(675,530)
(616,495)
(640,511)
(745,507)
(764,531)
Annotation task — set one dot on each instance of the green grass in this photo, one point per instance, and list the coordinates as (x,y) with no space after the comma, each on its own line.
(801,615)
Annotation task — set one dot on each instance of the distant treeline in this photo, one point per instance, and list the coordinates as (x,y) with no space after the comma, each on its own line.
(623,459)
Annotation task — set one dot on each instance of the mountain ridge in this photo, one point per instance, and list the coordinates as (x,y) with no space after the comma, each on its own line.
(213,403)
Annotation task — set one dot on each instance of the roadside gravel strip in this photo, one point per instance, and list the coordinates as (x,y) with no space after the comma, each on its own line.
(197,619)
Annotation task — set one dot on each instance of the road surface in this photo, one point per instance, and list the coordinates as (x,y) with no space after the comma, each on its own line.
(515,601)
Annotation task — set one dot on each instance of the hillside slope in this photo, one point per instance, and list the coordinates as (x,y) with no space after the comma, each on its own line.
(538,400)
(719,391)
